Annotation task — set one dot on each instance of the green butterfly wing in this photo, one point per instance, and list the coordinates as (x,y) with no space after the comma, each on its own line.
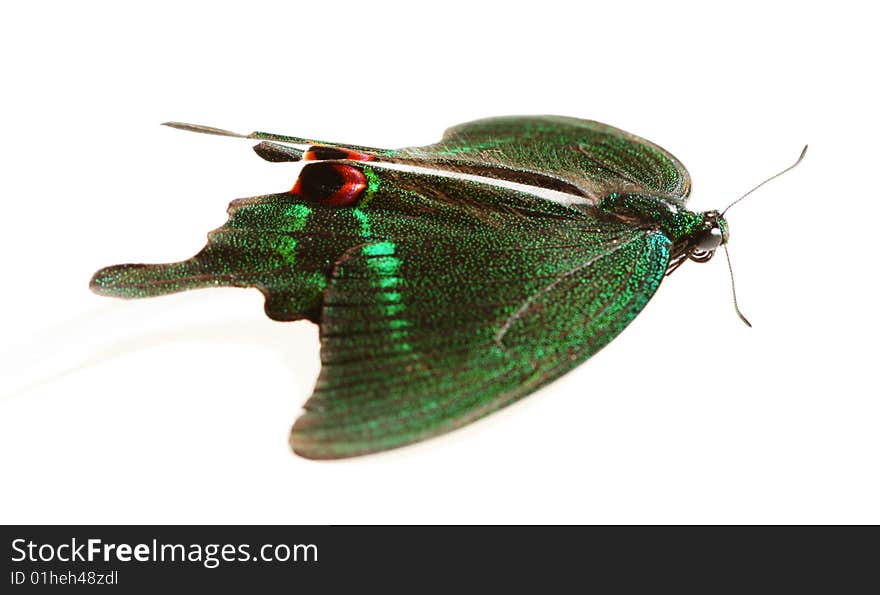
(434,322)
(441,299)
(582,156)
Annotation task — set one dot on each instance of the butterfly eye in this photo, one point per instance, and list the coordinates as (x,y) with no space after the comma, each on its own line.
(709,240)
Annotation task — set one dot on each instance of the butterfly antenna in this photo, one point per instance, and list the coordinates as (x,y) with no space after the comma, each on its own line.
(733,289)
(773,177)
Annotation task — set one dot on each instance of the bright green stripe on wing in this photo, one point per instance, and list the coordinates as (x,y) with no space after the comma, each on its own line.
(372,185)
(380,249)
(384,264)
(364,221)
(299,215)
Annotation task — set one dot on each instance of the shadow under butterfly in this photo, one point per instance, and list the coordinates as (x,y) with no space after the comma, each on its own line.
(448,280)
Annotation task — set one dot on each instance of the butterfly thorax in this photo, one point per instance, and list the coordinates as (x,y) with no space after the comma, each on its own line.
(692,235)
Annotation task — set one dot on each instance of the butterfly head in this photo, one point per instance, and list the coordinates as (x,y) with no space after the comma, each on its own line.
(713,234)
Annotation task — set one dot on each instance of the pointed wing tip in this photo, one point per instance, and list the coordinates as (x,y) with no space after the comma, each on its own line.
(204,129)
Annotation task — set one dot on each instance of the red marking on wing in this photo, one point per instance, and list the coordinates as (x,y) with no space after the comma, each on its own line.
(340,189)
(319,153)
(356,156)
(354,183)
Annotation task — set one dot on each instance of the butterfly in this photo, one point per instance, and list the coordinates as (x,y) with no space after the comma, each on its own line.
(448,280)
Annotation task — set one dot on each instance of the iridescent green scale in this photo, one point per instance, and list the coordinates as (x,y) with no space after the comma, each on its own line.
(449,280)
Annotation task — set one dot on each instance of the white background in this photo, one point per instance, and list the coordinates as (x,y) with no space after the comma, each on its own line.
(177,409)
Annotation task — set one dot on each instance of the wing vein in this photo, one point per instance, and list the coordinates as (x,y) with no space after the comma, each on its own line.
(527,304)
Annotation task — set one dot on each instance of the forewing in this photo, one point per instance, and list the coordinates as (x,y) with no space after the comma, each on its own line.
(569,154)
(559,152)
